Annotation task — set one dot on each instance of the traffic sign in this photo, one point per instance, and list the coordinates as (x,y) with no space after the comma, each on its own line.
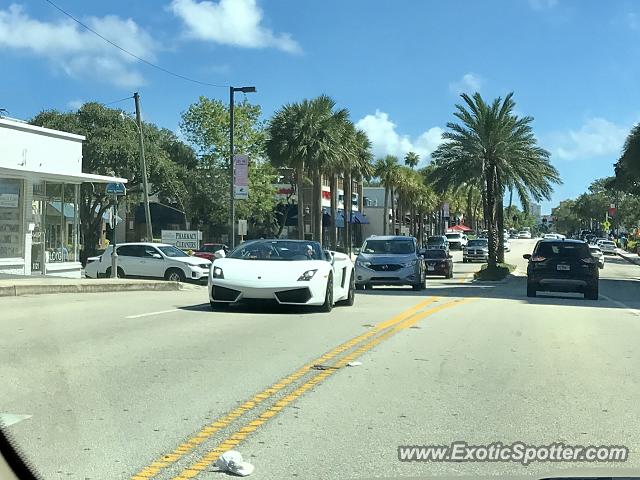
(116,189)
(606,225)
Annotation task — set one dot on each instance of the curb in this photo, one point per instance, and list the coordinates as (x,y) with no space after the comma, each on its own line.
(628,259)
(44,289)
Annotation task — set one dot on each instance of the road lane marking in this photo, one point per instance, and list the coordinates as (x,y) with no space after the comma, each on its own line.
(161,312)
(8,419)
(220,423)
(237,437)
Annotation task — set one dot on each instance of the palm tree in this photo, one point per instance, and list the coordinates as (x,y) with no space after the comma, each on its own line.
(411,159)
(307,135)
(499,148)
(385,169)
(359,159)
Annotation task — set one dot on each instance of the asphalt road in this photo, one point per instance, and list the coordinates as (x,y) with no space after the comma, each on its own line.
(153,384)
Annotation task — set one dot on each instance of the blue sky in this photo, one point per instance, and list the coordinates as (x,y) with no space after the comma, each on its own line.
(398,66)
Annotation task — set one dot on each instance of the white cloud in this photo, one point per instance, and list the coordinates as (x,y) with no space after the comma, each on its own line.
(387,141)
(469,83)
(75,51)
(597,137)
(74,104)
(542,4)
(230,22)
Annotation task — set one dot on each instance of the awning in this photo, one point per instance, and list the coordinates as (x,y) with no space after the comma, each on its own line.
(460,228)
(62,178)
(356,217)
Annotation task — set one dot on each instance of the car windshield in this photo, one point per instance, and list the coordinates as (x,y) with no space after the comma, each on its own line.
(435,240)
(435,254)
(478,243)
(564,250)
(278,250)
(173,252)
(400,246)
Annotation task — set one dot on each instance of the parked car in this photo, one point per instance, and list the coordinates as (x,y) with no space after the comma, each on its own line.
(476,250)
(390,260)
(562,266)
(289,272)
(438,262)
(597,254)
(506,244)
(208,249)
(526,234)
(153,260)
(607,246)
(456,240)
(438,242)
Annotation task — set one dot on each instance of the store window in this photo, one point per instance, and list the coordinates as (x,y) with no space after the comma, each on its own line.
(11,226)
(55,221)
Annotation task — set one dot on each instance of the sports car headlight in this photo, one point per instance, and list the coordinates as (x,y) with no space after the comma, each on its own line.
(217,272)
(362,263)
(308,275)
(411,263)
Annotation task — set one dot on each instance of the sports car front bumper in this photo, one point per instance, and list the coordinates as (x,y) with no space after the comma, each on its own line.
(293,293)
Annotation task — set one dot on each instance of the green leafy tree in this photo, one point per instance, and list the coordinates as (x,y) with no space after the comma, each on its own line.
(111,148)
(411,159)
(205,124)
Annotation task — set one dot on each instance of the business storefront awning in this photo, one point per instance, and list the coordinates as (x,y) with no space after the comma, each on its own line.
(460,228)
(356,217)
(61,177)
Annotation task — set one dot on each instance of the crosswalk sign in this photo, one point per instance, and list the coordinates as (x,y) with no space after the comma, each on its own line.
(606,225)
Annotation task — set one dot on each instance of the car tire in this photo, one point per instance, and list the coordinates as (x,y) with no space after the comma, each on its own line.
(107,273)
(591,293)
(450,274)
(351,294)
(531,290)
(215,306)
(359,286)
(175,275)
(327,306)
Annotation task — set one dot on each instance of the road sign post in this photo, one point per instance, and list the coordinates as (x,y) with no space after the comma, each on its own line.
(116,190)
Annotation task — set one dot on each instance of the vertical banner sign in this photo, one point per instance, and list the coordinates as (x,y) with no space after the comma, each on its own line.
(445,210)
(241,177)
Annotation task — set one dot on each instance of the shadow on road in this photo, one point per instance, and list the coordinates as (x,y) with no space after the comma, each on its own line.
(254,308)
(624,291)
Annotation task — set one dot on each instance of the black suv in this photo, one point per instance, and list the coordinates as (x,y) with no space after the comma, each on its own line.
(562,266)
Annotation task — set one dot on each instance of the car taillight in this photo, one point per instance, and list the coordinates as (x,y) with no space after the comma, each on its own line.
(588,260)
(538,258)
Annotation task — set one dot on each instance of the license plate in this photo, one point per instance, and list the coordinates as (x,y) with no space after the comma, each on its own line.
(563,267)
(431,268)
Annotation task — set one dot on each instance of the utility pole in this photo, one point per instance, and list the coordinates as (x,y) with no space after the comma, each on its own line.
(232,173)
(143,168)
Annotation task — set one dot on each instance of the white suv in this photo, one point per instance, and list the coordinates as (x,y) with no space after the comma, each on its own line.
(456,240)
(155,260)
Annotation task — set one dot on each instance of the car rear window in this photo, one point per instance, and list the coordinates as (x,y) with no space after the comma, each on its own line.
(435,254)
(564,250)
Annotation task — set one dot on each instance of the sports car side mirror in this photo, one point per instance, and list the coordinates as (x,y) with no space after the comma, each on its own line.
(220,254)
(526,256)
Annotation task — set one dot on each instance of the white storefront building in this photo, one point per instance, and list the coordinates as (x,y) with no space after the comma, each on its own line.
(40,178)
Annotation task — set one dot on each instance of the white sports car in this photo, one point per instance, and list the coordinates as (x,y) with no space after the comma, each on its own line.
(290,272)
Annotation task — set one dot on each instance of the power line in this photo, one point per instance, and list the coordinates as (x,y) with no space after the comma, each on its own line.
(153,65)
(118,101)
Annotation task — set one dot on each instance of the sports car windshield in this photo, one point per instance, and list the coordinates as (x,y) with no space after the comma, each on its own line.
(389,246)
(286,250)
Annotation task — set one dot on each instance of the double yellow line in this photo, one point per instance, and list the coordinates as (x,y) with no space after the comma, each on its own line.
(399,322)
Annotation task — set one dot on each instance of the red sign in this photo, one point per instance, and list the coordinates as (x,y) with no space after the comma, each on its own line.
(612,211)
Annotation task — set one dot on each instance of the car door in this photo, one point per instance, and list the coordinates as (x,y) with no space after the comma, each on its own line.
(129,259)
(340,267)
(153,263)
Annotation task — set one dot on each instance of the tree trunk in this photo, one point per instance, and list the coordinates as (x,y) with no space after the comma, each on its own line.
(347,212)
(500,222)
(470,213)
(300,188)
(491,209)
(333,236)
(317,206)
(385,217)
(393,211)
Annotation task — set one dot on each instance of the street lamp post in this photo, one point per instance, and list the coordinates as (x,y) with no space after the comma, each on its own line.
(232,204)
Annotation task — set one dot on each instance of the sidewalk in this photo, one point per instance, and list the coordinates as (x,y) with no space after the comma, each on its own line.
(16,286)
(629,257)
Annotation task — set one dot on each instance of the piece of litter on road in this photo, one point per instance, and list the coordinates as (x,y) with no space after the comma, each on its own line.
(354,364)
(231,461)
(318,366)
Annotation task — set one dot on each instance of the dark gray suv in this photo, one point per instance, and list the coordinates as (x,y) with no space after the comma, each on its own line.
(390,260)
